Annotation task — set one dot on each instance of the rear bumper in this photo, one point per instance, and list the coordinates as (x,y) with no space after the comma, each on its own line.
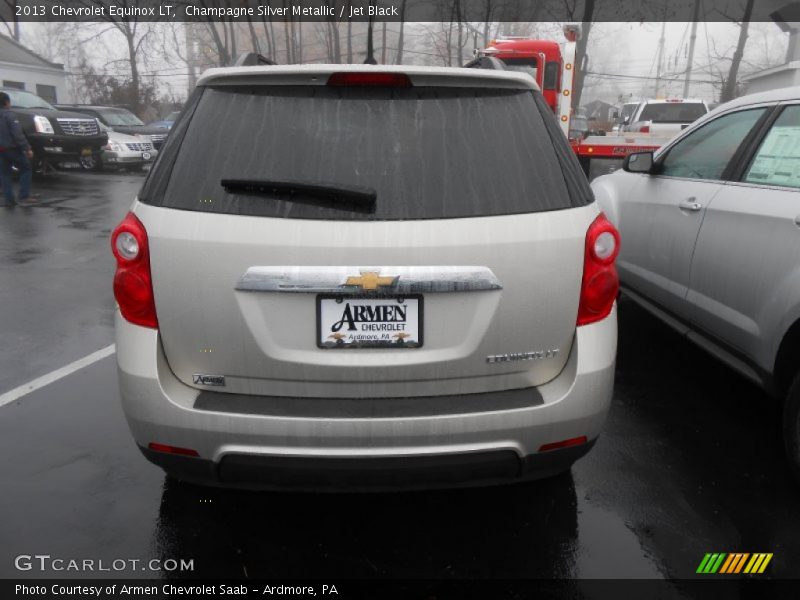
(406,447)
(252,471)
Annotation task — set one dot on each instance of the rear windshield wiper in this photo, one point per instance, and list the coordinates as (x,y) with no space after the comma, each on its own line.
(351,197)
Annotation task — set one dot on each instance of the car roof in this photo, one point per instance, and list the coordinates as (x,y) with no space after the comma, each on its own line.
(779,95)
(673,101)
(318,75)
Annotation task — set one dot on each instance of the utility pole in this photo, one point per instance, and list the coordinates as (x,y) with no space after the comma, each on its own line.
(190,56)
(661,43)
(692,38)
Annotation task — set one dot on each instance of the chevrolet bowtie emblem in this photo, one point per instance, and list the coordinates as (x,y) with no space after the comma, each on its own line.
(370,280)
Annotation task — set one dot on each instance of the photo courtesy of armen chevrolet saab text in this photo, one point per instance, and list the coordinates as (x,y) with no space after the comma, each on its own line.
(364,278)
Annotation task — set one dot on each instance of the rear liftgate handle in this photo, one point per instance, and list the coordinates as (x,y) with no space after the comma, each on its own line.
(690,204)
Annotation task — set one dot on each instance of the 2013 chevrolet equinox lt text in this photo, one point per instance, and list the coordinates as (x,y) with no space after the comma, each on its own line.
(351,277)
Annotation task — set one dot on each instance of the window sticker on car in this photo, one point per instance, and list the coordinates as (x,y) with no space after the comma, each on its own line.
(778,159)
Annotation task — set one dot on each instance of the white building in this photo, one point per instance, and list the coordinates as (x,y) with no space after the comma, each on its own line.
(23,69)
(787,74)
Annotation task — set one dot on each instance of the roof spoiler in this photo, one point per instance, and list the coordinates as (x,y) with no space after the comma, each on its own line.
(252,59)
(485,62)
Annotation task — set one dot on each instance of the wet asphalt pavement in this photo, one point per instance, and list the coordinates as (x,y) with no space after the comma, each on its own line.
(690,460)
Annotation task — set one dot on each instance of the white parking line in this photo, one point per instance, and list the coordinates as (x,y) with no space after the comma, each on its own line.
(53,376)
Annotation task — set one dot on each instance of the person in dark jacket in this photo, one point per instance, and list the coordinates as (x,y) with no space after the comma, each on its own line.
(14,151)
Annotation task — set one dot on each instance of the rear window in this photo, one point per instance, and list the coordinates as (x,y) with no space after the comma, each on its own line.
(673,112)
(427,153)
(522,65)
(118,117)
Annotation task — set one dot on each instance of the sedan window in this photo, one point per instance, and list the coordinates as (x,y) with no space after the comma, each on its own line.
(777,161)
(704,153)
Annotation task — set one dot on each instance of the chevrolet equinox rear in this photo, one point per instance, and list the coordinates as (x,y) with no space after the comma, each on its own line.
(358,278)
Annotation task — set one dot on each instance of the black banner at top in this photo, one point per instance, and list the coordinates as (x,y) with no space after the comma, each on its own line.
(401,10)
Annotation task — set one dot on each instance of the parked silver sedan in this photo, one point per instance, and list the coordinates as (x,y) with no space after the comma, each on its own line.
(711,239)
(131,152)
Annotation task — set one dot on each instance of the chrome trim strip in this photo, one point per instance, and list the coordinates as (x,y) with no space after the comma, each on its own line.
(406,280)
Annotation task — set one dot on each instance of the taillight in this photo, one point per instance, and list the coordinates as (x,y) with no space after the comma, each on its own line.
(576,441)
(600,281)
(172,449)
(644,129)
(133,286)
(369,79)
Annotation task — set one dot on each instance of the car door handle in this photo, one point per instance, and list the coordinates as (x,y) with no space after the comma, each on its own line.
(690,204)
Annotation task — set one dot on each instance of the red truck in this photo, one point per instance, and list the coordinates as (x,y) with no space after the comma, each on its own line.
(552,65)
(541,59)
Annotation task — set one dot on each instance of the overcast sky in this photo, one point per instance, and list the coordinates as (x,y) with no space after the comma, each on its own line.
(623,56)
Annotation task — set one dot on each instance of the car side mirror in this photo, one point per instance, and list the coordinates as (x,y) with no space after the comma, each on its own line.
(638,162)
(615,114)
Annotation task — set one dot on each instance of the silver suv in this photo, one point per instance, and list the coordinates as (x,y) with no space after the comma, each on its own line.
(711,224)
(364,278)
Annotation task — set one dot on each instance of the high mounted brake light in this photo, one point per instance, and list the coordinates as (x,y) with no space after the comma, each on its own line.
(600,280)
(133,285)
(369,79)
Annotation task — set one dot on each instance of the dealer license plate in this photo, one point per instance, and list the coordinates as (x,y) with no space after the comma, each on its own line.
(373,322)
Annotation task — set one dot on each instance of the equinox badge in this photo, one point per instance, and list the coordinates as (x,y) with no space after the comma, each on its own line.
(200,379)
(515,356)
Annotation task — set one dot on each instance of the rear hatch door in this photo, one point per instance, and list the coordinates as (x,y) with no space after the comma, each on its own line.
(462,274)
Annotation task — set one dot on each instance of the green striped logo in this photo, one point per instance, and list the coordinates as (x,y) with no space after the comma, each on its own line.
(711,563)
(734,563)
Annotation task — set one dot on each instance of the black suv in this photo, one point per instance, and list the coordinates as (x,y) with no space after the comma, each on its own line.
(56,136)
(120,119)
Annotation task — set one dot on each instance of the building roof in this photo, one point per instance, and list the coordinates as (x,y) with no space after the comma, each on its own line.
(13,52)
(790,66)
(595,103)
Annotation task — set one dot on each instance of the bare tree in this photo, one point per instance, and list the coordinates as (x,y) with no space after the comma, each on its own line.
(136,36)
(8,16)
(253,37)
(220,41)
(460,29)
(269,35)
(349,40)
(383,44)
(581,58)
(333,28)
(730,88)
